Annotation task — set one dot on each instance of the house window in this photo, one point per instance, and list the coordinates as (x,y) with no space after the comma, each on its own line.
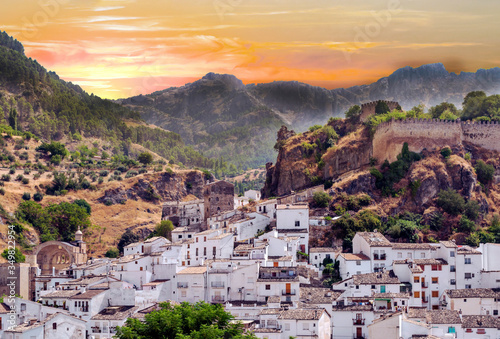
(416,279)
(214,251)
(451,329)
(422,255)
(183,294)
(409,255)
(453,282)
(358,262)
(196,252)
(435,294)
(495,312)
(468,275)
(400,255)
(196,239)
(452,268)
(468,286)
(268,287)
(434,267)
(204,238)
(287,327)
(416,294)
(467,261)
(305,326)
(54,326)
(297,223)
(435,280)
(373,287)
(452,253)
(204,251)
(140,268)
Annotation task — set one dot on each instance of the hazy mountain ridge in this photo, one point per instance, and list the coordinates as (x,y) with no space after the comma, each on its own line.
(212,113)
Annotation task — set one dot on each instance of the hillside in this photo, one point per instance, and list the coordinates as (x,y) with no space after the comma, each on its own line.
(414,179)
(121,196)
(220,116)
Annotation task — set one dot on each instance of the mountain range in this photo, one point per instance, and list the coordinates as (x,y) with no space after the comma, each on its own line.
(220,116)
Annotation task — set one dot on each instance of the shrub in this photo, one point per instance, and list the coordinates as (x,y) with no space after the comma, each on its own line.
(466,225)
(143,170)
(12,171)
(451,201)
(103,173)
(5,177)
(484,172)
(25,181)
(38,196)
(100,181)
(27,171)
(436,221)
(145,158)
(26,196)
(321,199)
(112,253)
(130,174)
(446,152)
(472,210)
(314,128)
(2,191)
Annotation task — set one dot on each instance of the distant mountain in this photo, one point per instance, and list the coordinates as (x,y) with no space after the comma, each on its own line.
(220,116)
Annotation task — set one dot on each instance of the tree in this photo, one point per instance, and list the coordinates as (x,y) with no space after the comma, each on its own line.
(353,114)
(127,238)
(451,201)
(186,321)
(145,158)
(54,148)
(321,199)
(164,229)
(471,106)
(66,218)
(112,253)
(83,203)
(13,119)
(382,107)
(13,255)
(438,110)
(484,172)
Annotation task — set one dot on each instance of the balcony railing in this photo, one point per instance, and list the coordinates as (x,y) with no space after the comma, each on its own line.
(287,292)
(182,285)
(424,284)
(218,298)
(358,337)
(217,284)
(358,321)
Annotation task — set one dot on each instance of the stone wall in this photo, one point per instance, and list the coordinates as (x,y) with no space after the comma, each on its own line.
(431,134)
(368,109)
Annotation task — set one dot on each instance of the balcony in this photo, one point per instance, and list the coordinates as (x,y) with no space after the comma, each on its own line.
(96,329)
(217,284)
(424,284)
(377,256)
(182,285)
(287,292)
(218,298)
(358,321)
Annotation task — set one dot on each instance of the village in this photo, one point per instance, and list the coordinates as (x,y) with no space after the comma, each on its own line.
(258,264)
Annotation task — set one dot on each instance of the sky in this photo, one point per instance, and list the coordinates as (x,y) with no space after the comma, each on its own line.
(121,48)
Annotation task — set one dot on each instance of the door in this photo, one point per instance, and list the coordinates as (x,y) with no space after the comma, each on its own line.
(423,296)
(359,332)
(382,289)
(288,288)
(423,281)
(388,305)
(275,264)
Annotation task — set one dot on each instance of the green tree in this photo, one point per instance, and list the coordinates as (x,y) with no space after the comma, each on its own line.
(83,203)
(13,119)
(438,110)
(16,253)
(164,229)
(472,210)
(127,238)
(466,225)
(451,201)
(484,172)
(145,158)
(66,218)
(53,149)
(112,253)
(321,199)
(471,106)
(184,321)
(353,114)
(382,107)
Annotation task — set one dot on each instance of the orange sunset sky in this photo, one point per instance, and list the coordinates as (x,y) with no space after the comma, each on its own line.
(120,48)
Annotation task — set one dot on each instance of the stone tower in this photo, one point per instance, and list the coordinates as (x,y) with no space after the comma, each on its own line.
(218,197)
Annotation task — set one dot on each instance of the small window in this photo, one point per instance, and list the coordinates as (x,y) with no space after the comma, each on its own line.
(54,326)
(416,294)
(452,253)
(358,262)
(435,280)
(495,312)
(416,279)
(268,287)
(297,223)
(468,286)
(400,255)
(435,294)
(467,261)
(373,287)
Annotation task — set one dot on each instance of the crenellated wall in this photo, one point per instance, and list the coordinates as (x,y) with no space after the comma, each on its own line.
(368,109)
(432,134)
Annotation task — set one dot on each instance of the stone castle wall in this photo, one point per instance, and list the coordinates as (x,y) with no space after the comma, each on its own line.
(432,134)
(368,109)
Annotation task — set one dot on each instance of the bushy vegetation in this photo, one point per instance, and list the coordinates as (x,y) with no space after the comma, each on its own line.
(189,321)
(127,238)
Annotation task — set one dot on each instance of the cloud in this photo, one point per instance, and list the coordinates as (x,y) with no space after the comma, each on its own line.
(109,8)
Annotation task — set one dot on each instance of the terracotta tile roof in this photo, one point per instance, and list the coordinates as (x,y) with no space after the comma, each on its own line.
(375,239)
(351,308)
(302,314)
(354,256)
(115,313)
(391,295)
(467,250)
(385,277)
(318,295)
(443,317)
(480,321)
(269,311)
(430,262)
(61,294)
(417,312)
(274,299)
(449,244)
(412,246)
(88,294)
(4,308)
(322,250)
(193,270)
(474,293)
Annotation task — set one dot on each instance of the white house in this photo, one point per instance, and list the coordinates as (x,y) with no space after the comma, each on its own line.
(253,194)
(350,264)
(57,325)
(318,254)
(191,284)
(293,221)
